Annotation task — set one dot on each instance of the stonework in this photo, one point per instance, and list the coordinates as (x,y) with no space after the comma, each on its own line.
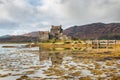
(55,32)
(44,36)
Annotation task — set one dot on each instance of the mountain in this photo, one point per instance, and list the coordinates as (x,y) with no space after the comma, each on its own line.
(94,31)
(89,31)
(28,37)
(5,36)
(32,34)
(19,39)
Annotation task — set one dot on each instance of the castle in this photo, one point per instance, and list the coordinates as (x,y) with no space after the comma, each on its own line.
(56,32)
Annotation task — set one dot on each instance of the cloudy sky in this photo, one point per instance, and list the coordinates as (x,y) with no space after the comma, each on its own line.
(23,16)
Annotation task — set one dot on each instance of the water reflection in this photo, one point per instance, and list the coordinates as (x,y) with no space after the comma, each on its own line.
(94,52)
(55,57)
(88,63)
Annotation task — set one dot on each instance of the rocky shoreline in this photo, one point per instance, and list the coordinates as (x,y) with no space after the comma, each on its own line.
(30,64)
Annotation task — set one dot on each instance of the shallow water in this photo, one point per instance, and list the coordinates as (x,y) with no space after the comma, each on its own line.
(35,64)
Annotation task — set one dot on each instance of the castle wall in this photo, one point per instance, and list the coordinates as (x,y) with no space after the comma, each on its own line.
(55,32)
(44,36)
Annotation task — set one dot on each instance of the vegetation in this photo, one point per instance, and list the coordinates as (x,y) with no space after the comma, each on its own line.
(112,37)
(85,78)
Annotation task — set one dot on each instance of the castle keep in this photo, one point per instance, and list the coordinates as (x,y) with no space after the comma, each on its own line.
(56,32)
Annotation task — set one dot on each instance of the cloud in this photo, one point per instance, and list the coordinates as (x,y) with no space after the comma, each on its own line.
(8,25)
(87,11)
(32,15)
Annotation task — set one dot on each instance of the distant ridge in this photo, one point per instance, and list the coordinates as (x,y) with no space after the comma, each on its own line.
(5,36)
(28,37)
(19,39)
(89,31)
(32,34)
(95,31)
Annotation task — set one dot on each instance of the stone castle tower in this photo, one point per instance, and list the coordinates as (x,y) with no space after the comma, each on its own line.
(56,31)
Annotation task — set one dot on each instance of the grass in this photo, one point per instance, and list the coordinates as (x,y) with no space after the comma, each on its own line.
(97,71)
(72,68)
(77,73)
(118,65)
(115,77)
(109,63)
(85,78)
(54,71)
(97,65)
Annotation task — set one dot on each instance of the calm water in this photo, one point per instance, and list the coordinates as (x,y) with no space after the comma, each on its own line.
(9,50)
(57,65)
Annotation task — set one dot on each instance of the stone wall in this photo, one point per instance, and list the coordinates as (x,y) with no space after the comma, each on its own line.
(55,32)
(44,36)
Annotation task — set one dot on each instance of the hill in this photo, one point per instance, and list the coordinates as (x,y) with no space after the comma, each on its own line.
(32,34)
(19,39)
(28,37)
(89,31)
(94,31)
